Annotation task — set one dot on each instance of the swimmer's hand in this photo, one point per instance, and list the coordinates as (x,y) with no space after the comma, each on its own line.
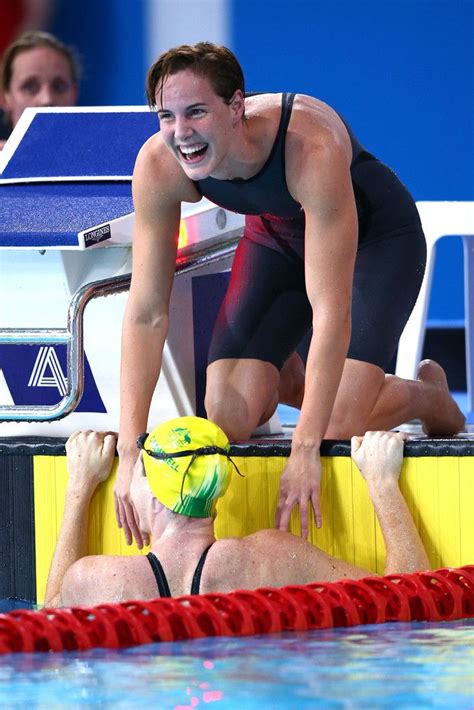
(90,457)
(300,484)
(378,455)
(125,513)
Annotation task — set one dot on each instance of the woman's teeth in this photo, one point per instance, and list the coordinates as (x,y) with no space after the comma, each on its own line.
(190,152)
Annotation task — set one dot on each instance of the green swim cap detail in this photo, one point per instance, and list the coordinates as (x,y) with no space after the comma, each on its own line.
(187,465)
(202,502)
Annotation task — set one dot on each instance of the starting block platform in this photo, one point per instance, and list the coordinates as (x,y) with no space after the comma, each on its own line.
(66,222)
(76,144)
(66,177)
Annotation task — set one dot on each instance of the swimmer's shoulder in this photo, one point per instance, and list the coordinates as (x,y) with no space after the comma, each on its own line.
(248,562)
(312,124)
(315,123)
(226,566)
(262,104)
(306,110)
(156,170)
(99,579)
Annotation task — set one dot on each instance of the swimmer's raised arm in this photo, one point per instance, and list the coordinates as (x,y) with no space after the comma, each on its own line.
(327,197)
(159,186)
(90,456)
(379,457)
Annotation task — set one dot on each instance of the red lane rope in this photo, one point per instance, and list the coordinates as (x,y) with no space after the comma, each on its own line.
(441,595)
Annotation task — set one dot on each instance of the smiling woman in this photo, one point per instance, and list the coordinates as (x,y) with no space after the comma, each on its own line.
(198,92)
(37,70)
(332,241)
(197,126)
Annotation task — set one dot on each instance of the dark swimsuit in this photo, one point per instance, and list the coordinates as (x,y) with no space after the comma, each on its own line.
(266,312)
(160,576)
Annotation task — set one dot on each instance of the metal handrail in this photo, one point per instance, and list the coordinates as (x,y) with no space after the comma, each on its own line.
(73,335)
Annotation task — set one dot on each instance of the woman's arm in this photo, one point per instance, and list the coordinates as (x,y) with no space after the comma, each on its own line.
(90,456)
(158,189)
(379,457)
(321,182)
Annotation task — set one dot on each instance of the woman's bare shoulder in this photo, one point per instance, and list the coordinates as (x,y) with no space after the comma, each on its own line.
(317,121)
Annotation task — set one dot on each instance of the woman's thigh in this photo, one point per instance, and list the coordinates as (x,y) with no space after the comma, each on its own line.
(387,279)
(265,312)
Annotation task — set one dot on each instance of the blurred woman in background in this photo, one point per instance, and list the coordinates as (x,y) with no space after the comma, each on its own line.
(37,70)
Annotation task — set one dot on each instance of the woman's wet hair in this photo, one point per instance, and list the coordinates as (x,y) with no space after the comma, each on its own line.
(215,62)
(35,40)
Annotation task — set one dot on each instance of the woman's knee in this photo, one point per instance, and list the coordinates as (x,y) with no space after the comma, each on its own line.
(236,415)
(356,398)
(292,381)
(240,395)
(231,414)
(346,423)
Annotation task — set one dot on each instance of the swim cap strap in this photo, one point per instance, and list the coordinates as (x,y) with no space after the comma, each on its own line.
(202,451)
(194,453)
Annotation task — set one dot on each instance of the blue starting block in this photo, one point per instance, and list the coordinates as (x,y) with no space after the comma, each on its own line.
(65,177)
(66,226)
(79,144)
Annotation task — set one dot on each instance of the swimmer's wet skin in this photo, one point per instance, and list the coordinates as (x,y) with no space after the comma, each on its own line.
(331,235)
(175,500)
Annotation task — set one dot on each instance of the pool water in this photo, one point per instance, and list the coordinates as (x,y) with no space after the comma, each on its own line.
(416,665)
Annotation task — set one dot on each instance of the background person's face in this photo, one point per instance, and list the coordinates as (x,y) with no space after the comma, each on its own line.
(41,77)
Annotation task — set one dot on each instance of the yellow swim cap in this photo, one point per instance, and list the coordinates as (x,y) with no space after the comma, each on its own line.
(187,464)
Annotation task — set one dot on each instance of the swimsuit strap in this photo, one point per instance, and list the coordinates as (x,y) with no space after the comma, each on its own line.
(277,153)
(160,576)
(286,109)
(197,574)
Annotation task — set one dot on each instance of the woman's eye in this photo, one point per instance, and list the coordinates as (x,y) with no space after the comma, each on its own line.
(30,87)
(60,86)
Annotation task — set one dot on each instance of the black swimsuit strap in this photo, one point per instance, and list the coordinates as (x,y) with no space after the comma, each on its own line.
(277,152)
(286,109)
(160,576)
(198,572)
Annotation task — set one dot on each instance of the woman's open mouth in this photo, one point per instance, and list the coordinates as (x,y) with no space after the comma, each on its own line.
(193,153)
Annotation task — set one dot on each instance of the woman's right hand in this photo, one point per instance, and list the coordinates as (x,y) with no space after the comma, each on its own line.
(125,513)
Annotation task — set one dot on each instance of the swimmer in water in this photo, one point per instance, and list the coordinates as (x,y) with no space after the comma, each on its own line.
(183,469)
